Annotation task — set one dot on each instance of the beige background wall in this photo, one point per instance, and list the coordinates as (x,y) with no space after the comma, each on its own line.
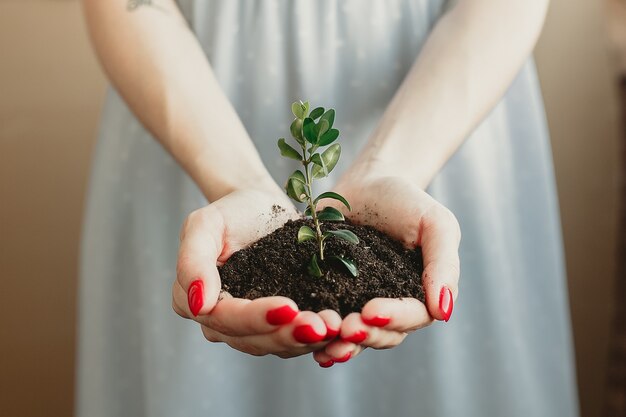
(50,94)
(582,110)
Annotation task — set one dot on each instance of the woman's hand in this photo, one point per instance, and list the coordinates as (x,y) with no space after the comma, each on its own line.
(269,325)
(401,209)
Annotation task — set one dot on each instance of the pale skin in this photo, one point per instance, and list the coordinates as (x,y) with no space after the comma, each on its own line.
(465,66)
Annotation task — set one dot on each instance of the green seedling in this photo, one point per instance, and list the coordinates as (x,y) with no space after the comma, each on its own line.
(314,131)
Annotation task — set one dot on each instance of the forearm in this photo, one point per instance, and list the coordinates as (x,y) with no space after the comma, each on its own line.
(157,65)
(465,66)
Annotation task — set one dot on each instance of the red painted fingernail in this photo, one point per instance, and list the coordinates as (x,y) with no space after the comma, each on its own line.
(356,338)
(331,333)
(281,315)
(377,321)
(344,358)
(446,302)
(195,296)
(327,364)
(306,334)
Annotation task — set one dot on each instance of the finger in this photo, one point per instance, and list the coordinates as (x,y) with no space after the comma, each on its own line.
(241,317)
(323,359)
(307,328)
(196,270)
(439,237)
(178,294)
(303,335)
(400,314)
(353,329)
(242,344)
(341,351)
(258,345)
(332,319)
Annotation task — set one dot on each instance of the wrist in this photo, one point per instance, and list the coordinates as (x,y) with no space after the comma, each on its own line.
(367,170)
(218,186)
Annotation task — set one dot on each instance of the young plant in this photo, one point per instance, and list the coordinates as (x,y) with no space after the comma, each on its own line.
(314,131)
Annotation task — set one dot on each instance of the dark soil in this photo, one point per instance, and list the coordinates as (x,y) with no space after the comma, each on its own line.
(277,265)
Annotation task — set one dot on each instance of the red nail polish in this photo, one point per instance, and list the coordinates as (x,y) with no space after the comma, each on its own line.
(446,302)
(195,296)
(344,358)
(356,338)
(331,333)
(377,321)
(306,334)
(327,364)
(281,315)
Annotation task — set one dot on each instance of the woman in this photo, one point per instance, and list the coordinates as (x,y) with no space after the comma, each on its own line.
(411,79)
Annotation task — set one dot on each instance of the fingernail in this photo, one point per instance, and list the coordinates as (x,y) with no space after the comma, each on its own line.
(344,358)
(378,321)
(327,364)
(306,334)
(446,303)
(356,338)
(281,315)
(195,296)
(331,333)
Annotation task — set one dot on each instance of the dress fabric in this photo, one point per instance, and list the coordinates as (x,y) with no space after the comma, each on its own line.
(507,351)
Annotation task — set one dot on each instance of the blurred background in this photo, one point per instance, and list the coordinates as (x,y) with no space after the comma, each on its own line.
(51,90)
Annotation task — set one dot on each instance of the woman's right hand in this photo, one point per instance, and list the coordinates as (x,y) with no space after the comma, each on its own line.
(268,325)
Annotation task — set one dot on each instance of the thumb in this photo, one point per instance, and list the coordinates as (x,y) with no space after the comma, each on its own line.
(439,238)
(198,283)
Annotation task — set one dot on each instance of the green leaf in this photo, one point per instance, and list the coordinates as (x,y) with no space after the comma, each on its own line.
(330,157)
(314,268)
(344,234)
(328,137)
(298,109)
(306,107)
(329,116)
(320,128)
(317,160)
(308,129)
(349,264)
(307,212)
(335,196)
(296,131)
(330,214)
(287,151)
(305,233)
(316,113)
(296,188)
(299,176)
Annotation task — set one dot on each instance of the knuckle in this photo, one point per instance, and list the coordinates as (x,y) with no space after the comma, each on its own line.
(219,326)
(249,348)
(183,229)
(210,335)
(182,264)
(178,310)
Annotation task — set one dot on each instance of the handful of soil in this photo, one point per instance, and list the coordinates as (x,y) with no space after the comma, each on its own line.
(277,265)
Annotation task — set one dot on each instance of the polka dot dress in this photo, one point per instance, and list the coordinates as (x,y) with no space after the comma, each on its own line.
(505,352)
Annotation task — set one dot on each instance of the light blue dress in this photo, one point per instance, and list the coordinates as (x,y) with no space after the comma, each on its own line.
(507,350)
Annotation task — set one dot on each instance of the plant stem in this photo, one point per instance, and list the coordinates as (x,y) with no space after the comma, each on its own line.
(312,205)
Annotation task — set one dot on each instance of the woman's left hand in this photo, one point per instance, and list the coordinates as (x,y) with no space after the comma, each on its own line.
(405,212)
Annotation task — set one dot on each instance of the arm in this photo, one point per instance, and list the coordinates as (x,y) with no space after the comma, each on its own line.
(465,66)
(157,65)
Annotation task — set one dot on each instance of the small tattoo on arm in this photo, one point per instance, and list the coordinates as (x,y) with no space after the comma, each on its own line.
(133,5)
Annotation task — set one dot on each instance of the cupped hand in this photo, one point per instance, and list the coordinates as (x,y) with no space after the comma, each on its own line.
(405,212)
(269,325)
